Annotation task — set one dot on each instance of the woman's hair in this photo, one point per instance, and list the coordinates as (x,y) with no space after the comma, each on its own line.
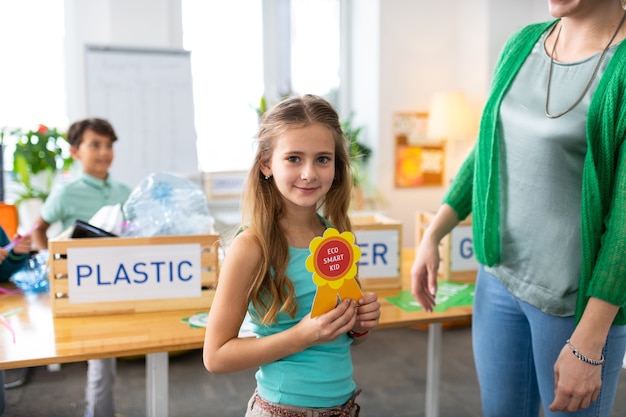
(100,126)
(272,291)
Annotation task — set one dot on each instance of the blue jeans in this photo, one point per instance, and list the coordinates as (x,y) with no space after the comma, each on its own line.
(515,347)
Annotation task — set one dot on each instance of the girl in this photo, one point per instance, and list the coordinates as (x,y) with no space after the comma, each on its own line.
(301,166)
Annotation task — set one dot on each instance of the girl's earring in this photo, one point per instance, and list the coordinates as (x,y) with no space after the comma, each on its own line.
(267,177)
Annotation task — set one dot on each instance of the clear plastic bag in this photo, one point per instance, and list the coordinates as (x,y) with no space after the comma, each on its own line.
(166,204)
(33,277)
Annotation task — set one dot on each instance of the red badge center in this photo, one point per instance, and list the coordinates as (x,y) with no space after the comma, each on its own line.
(334,258)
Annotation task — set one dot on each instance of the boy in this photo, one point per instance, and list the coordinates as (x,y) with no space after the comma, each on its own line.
(91,142)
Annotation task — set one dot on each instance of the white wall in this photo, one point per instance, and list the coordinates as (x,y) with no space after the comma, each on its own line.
(423,47)
(363,80)
(134,23)
(403,51)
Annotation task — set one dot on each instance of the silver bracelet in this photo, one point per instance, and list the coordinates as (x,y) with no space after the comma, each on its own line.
(583,358)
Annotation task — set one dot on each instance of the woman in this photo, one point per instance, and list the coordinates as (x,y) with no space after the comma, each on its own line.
(546,184)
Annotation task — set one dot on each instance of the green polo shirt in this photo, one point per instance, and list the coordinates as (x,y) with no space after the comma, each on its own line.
(82,198)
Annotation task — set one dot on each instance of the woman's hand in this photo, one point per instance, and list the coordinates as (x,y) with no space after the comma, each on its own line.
(424,273)
(576,383)
(426,263)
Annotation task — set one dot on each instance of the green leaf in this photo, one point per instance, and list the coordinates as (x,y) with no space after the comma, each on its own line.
(37,152)
(20,167)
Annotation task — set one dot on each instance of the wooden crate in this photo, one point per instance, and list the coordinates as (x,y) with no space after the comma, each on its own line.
(59,283)
(380,240)
(456,251)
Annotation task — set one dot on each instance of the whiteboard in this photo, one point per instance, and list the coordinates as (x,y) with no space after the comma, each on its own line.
(147,95)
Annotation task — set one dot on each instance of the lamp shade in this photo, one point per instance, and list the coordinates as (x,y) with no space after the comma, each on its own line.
(450,117)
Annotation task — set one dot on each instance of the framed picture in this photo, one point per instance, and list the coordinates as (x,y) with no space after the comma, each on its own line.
(420,162)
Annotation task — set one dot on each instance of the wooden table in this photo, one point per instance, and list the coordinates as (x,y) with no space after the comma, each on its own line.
(43,340)
(392,316)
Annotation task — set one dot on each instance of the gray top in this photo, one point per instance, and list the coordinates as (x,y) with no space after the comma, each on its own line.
(541,164)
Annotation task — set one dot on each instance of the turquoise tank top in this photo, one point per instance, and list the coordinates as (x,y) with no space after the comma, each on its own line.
(320,376)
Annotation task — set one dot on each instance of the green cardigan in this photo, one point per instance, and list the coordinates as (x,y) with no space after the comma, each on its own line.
(603,208)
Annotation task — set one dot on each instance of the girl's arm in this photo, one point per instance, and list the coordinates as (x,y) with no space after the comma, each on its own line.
(225,352)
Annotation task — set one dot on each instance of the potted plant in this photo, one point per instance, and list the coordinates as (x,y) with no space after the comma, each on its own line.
(360,155)
(38,157)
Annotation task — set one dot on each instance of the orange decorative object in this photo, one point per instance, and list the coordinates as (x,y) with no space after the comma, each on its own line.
(333,262)
(9,219)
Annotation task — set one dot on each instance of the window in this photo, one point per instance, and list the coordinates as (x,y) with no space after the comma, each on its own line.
(227,59)
(225,40)
(32,80)
(33,64)
(315,47)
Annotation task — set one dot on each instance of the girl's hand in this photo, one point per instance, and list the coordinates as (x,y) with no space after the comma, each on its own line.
(3,255)
(328,326)
(23,246)
(367,313)
(576,383)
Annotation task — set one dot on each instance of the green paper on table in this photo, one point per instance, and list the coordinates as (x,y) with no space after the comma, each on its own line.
(199,321)
(449,294)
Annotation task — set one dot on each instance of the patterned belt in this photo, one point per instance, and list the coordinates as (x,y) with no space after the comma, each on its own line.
(342,411)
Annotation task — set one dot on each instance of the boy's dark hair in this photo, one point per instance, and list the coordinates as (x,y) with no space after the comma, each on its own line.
(100,126)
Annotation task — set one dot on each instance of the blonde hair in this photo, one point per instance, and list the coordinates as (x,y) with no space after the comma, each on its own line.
(272,291)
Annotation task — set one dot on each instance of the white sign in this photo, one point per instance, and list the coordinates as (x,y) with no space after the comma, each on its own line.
(225,184)
(379,253)
(147,94)
(462,249)
(123,273)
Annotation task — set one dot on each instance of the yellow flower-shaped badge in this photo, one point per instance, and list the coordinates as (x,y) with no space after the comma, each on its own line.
(333,262)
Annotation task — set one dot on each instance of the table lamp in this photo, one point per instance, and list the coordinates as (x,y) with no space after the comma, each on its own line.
(450,119)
